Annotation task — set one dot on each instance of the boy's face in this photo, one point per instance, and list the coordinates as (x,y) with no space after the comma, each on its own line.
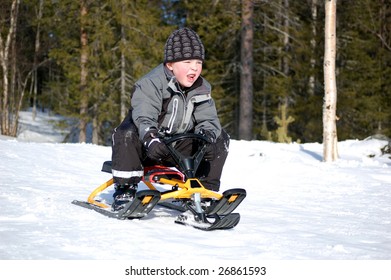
(186,71)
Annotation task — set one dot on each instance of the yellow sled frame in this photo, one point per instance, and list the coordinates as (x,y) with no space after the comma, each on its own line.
(184,191)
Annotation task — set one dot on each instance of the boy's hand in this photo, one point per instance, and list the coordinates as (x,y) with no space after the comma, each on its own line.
(208,134)
(210,152)
(156,149)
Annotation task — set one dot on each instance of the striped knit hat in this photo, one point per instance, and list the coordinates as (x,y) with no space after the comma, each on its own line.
(183,44)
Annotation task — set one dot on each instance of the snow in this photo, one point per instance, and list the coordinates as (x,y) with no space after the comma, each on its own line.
(297,208)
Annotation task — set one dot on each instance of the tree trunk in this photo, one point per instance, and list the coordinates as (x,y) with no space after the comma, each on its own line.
(83,74)
(5,51)
(35,66)
(123,64)
(246,83)
(13,89)
(314,18)
(330,152)
(284,122)
(95,126)
(123,86)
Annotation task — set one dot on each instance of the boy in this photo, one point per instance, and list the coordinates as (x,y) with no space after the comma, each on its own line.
(171,99)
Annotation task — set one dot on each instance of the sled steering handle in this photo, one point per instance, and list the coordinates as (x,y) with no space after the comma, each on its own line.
(179,137)
(187,164)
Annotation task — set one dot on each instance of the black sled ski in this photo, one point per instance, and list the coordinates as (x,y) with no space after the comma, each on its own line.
(225,222)
(218,216)
(139,207)
(228,203)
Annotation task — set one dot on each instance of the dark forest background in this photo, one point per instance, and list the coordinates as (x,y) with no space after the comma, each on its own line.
(79,58)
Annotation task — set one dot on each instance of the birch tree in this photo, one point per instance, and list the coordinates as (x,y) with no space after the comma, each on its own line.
(330,140)
(5,56)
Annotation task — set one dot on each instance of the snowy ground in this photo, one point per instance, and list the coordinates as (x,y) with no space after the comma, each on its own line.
(297,208)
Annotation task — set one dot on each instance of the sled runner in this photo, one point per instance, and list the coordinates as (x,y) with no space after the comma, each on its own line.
(201,208)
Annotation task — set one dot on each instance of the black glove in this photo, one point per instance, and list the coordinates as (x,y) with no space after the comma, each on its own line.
(208,134)
(156,149)
(210,152)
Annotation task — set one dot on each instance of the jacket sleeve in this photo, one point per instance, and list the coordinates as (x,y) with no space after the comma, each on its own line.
(206,118)
(146,103)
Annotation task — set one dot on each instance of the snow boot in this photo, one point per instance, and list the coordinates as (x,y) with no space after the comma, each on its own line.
(122,195)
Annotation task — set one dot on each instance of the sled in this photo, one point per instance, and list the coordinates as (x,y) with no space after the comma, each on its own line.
(201,208)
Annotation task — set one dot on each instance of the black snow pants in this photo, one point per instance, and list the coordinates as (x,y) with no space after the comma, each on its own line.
(129,157)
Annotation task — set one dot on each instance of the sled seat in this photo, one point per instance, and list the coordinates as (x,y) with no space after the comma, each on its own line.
(107,166)
(153,173)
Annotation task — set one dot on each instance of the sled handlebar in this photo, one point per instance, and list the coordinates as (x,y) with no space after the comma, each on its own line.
(180,137)
(187,164)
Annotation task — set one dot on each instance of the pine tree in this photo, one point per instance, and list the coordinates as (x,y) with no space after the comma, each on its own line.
(364,71)
(128,32)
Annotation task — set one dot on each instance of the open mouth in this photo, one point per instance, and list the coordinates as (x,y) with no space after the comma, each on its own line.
(191,78)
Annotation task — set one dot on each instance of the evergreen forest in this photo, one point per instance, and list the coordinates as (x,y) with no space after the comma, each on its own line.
(80,58)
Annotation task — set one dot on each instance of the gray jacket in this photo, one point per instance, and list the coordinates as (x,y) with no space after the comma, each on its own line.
(158,101)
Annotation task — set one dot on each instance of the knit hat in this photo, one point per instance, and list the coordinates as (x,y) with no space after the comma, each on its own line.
(183,44)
